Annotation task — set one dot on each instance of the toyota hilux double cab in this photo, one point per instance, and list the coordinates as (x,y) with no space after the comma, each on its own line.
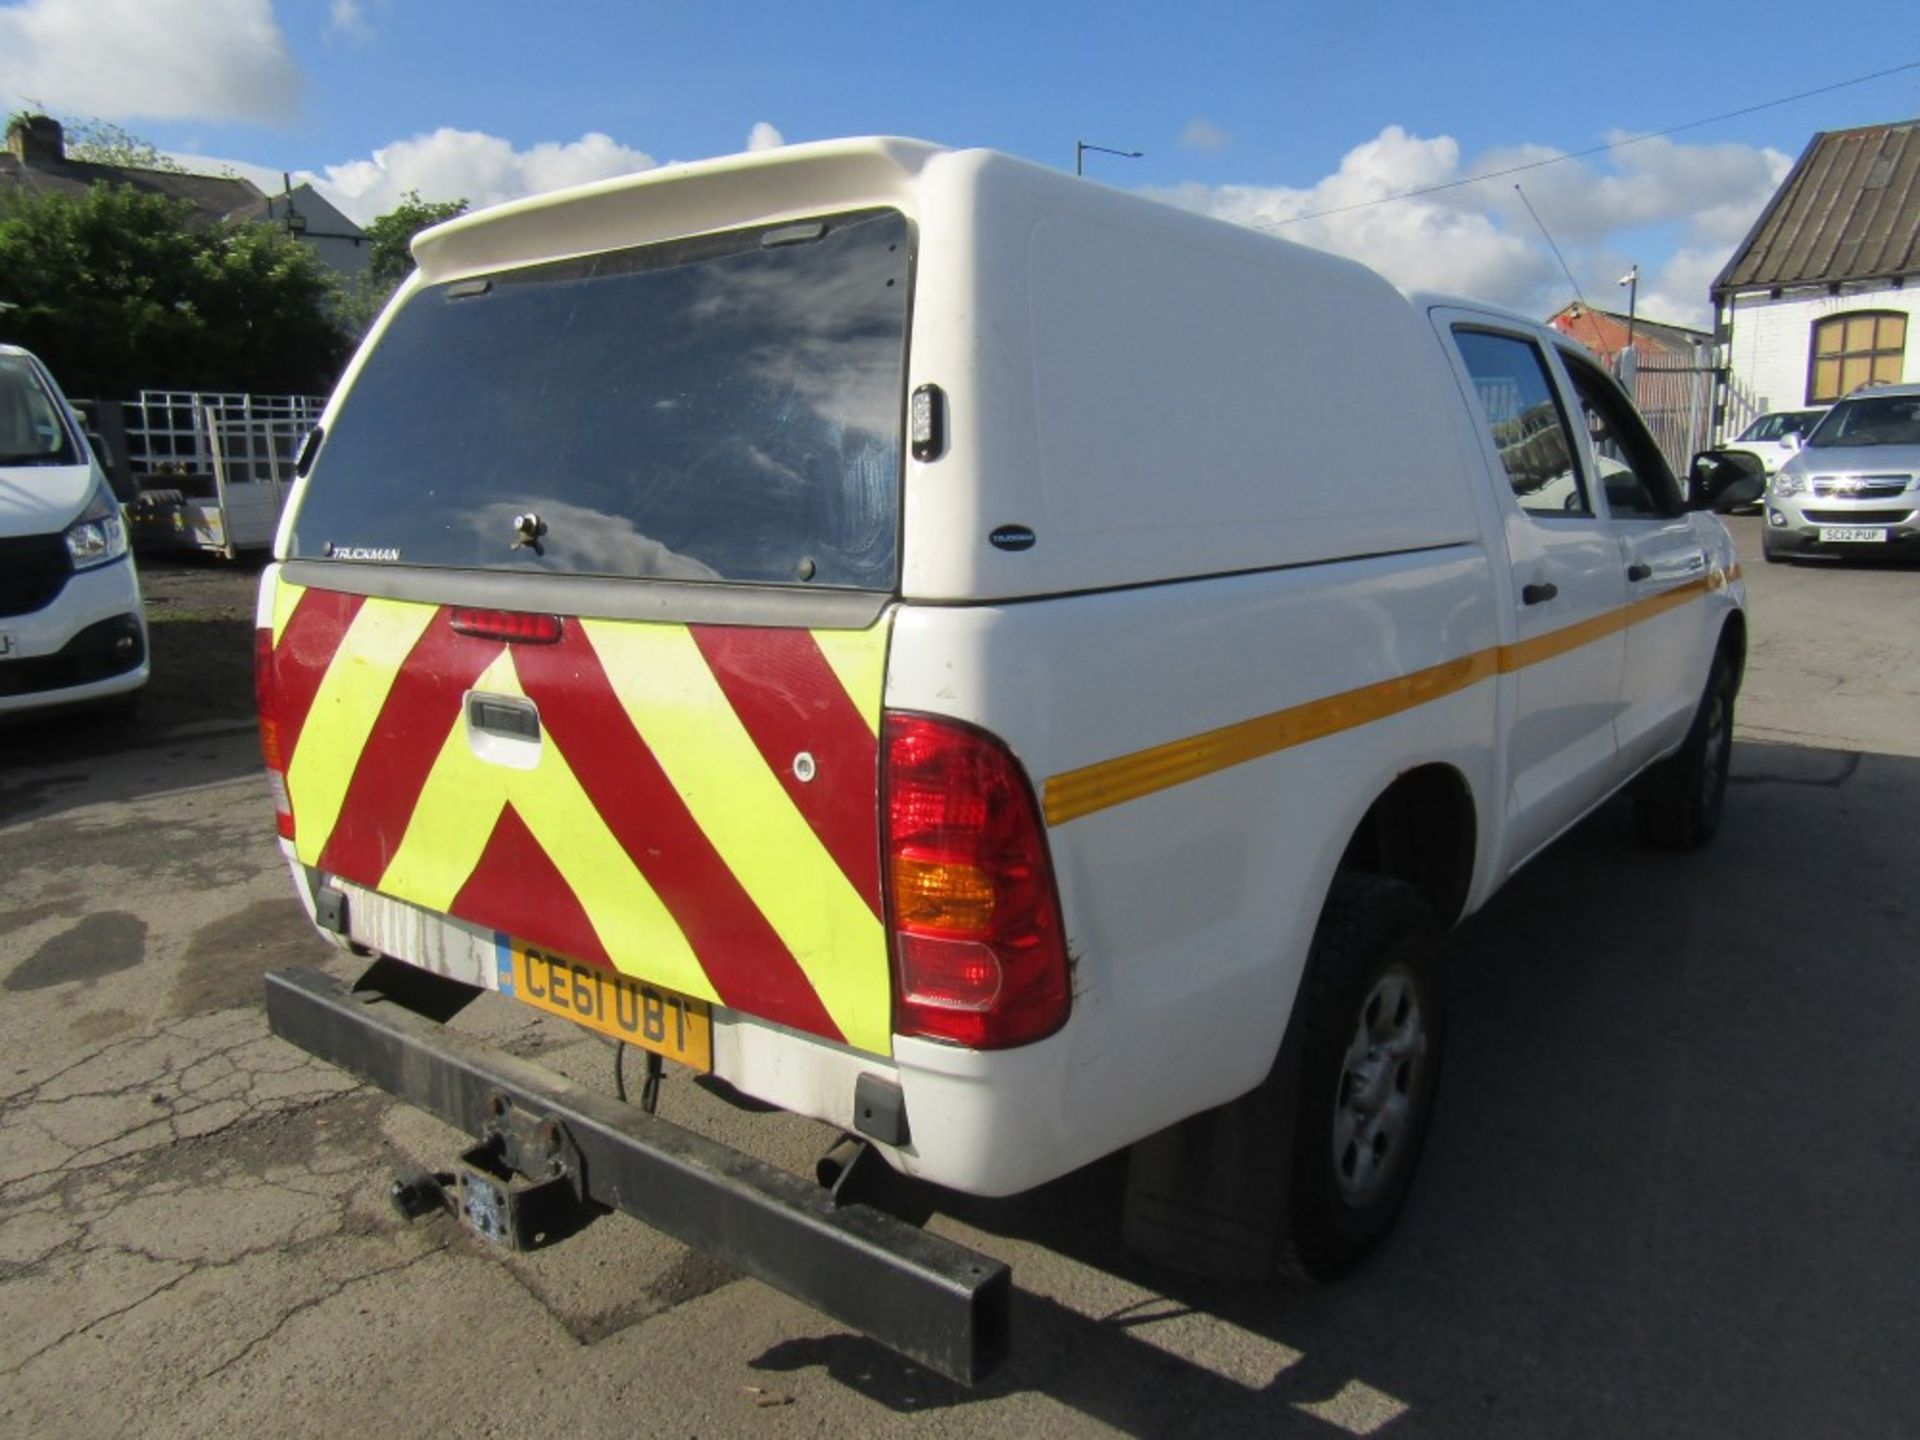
(1010,670)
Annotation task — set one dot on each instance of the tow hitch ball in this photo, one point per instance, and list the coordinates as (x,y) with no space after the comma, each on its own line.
(522,1185)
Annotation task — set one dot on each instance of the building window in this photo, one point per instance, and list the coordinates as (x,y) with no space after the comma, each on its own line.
(1864,348)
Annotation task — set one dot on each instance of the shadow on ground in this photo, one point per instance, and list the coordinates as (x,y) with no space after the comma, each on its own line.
(1669,1190)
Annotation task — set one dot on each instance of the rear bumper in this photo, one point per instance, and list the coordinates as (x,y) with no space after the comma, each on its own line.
(935,1302)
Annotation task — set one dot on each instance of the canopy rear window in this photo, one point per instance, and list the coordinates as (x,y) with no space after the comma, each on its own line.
(726,408)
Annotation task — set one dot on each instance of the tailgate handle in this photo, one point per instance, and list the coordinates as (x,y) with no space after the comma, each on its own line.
(503,715)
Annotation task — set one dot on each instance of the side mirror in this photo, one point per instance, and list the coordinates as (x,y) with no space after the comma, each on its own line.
(1793,439)
(1743,492)
(1723,480)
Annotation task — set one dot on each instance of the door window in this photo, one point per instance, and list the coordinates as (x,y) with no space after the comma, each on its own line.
(1633,473)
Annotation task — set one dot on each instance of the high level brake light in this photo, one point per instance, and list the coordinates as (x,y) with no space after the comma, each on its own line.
(511,626)
(266,694)
(979,950)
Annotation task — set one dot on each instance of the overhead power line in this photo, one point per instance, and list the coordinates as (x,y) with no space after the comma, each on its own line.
(1589,151)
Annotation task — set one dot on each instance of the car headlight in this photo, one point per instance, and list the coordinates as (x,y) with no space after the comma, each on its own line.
(99,536)
(1786,482)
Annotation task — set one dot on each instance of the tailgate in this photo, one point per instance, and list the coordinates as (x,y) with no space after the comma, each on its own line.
(693,805)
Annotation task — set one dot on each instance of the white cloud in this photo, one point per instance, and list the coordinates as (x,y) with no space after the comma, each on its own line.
(155,59)
(347,21)
(1478,240)
(483,169)
(1677,292)
(1203,136)
(764,137)
(1716,190)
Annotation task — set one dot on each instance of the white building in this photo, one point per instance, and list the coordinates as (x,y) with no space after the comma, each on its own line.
(1823,294)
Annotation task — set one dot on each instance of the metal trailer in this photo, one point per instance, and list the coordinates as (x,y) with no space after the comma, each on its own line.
(212,471)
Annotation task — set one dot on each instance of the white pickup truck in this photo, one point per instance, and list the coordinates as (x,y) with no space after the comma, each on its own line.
(1009,669)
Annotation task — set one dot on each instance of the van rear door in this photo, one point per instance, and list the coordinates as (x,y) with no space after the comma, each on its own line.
(582,633)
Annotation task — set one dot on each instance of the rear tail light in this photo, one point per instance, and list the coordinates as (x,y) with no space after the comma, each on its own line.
(266,694)
(979,949)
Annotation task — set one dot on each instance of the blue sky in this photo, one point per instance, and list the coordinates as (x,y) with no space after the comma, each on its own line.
(1258,113)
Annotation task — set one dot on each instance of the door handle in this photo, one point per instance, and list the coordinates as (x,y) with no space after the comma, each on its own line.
(511,718)
(1538,594)
(1639,571)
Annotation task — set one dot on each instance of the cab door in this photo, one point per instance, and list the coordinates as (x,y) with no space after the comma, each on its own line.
(1665,558)
(1567,584)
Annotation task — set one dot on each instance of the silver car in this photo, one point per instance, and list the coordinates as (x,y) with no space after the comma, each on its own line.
(1854,488)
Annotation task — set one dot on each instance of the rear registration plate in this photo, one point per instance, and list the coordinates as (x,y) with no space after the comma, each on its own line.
(1852,535)
(663,1021)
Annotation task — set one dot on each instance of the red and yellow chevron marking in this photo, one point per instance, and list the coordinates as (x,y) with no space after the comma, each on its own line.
(658,828)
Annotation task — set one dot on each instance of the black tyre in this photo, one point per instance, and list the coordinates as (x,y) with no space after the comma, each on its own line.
(1677,804)
(1366,1037)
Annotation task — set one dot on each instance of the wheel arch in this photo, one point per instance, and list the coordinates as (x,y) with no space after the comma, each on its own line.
(1423,829)
(1733,641)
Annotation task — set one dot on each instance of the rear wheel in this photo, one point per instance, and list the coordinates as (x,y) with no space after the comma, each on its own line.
(1677,804)
(1303,1175)
(1368,1026)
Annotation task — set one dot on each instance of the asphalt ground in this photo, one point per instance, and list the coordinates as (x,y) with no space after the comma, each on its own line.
(1671,1188)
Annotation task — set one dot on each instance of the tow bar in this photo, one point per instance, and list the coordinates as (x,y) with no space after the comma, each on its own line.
(935,1302)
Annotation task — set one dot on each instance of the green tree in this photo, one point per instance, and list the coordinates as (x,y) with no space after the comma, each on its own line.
(120,290)
(360,300)
(391,259)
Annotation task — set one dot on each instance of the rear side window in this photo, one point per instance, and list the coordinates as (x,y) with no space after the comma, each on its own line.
(1529,429)
(726,408)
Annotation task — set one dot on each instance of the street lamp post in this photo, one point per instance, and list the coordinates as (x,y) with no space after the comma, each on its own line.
(1080,148)
(1632,281)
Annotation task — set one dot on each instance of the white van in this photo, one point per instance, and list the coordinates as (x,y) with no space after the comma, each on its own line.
(72,627)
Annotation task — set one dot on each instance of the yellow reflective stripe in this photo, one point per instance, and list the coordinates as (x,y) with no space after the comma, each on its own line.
(684,717)
(858,659)
(285,597)
(1114,782)
(455,817)
(344,709)
(1107,783)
